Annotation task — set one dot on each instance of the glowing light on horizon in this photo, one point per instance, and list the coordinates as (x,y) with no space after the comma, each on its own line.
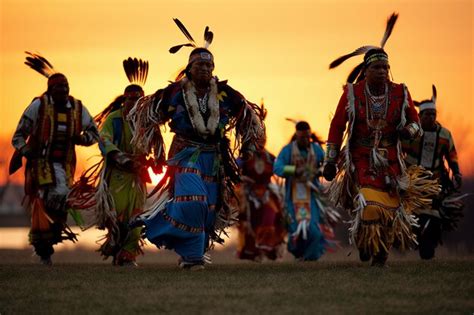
(155,178)
(279,50)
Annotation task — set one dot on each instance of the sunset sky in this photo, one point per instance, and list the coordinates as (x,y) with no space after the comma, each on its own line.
(277,50)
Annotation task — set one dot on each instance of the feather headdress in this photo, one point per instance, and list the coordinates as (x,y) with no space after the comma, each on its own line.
(137,73)
(357,71)
(428,104)
(45,68)
(136,70)
(208,37)
(39,64)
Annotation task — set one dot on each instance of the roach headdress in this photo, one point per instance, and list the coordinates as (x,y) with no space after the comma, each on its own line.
(357,73)
(136,70)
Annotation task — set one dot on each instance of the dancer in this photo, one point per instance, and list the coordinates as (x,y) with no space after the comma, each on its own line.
(371,179)
(299,163)
(431,151)
(125,171)
(48,131)
(261,227)
(193,205)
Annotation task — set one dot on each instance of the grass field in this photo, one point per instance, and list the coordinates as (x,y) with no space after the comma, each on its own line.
(330,287)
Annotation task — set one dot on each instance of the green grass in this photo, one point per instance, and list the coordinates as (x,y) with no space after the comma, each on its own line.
(440,287)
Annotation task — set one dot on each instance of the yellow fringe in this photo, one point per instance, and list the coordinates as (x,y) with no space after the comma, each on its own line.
(420,191)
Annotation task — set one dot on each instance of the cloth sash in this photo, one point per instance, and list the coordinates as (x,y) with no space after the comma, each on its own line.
(300,190)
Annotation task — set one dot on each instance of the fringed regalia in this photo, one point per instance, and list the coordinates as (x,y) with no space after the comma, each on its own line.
(431,151)
(48,178)
(47,135)
(308,211)
(127,188)
(373,182)
(50,132)
(261,226)
(192,207)
(112,192)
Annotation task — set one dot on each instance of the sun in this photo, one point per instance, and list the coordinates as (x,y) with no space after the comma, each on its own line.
(155,178)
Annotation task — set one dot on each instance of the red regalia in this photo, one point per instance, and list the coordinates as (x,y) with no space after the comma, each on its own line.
(371,179)
(364,137)
(261,230)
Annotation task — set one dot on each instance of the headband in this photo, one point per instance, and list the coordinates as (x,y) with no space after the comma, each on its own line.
(205,56)
(376,57)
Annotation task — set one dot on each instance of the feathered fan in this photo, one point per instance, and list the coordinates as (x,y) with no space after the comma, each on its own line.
(39,64)
(208,37)
(136,70)
(357,71)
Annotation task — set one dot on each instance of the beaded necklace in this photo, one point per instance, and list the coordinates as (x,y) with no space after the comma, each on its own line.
(376,108)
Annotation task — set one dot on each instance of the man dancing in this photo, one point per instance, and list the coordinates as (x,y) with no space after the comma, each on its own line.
(192,207)
(371,179)
(431,151)
(126,172)
(261,227)
(299,163)
(50,128)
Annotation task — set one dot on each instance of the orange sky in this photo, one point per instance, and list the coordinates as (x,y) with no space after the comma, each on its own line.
(276,49)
